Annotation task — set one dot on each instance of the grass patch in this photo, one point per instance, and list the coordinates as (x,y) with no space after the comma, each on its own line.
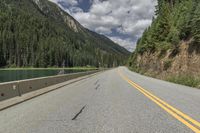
(185,80)
(137,70)
(167,64)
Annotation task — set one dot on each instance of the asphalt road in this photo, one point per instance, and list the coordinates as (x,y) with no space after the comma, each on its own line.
(115,101)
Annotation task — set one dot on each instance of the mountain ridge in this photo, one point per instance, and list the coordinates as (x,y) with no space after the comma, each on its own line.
(40,34)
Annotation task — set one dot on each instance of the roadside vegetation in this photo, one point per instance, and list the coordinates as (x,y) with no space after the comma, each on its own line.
(176,22)
(185,80)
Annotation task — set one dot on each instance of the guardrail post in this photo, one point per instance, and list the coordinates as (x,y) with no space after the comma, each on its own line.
(18,89)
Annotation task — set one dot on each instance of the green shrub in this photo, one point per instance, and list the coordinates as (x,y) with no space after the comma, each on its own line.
(185,80)
(167,64)
(173,36)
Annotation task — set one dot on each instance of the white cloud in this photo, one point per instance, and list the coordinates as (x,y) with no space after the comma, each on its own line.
(136,29)
(127,17)
(101,8)
(103,30)
(126,43)
(68,2)
(75,9)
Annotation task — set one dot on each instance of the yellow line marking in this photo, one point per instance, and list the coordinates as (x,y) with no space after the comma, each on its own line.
(172,108)
(168,107)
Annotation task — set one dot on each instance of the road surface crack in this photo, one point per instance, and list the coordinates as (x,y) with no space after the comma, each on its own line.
(74,118)
(97,86)
(96,82)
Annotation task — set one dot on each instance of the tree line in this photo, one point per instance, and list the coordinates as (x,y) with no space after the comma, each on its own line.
(30,38)
(174,21)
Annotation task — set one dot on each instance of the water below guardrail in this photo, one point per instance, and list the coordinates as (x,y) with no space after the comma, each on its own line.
(13,75)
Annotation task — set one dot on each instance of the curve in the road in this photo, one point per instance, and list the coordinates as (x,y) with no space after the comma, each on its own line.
(185,119)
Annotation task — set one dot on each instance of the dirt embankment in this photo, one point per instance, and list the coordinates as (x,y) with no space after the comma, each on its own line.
(184,60)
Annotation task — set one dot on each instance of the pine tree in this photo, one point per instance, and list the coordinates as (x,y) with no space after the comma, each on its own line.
(196,24)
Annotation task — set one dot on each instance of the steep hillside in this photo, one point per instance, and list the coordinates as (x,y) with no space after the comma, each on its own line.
(40,34)
(170,48)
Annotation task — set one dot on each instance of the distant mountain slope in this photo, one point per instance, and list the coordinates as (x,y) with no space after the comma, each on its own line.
(170,47)
(38,33)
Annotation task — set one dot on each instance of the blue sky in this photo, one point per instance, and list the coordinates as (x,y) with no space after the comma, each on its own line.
(123,21)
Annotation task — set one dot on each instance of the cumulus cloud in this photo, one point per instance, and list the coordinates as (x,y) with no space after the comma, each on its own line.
(117,17)
(126,43)
(67,2)
(136,29)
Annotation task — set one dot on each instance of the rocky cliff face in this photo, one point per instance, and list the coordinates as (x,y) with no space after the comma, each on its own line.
(184,60)
(170,47)
(54,11)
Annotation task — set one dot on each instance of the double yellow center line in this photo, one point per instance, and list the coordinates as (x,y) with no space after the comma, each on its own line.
(185,119)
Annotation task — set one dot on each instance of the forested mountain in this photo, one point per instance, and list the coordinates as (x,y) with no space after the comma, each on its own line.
(38,33)
(171,45)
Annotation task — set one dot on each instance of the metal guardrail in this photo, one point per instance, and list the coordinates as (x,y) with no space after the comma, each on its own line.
(18,88)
